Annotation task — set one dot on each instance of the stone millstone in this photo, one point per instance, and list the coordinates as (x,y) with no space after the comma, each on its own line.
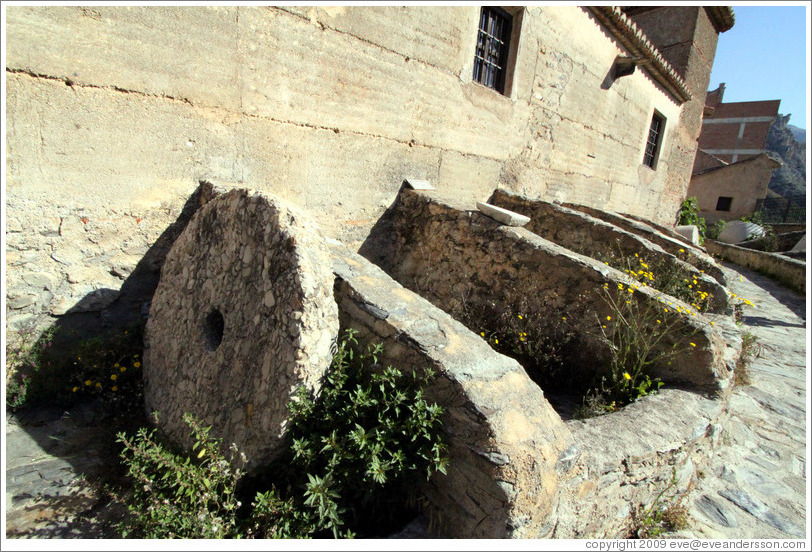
(243,316)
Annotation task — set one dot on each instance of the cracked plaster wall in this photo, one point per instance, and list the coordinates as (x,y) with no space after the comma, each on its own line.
(115,113)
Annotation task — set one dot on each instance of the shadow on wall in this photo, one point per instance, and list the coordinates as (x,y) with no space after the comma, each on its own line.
(63,417)
(377,247)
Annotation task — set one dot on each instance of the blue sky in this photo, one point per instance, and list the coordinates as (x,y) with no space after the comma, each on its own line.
(764,57)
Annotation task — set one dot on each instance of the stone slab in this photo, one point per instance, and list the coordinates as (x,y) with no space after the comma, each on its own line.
(242,317)
(505,216)
(415,184)
(690,232)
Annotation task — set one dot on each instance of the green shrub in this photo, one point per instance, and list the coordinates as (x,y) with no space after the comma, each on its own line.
(638,336)
(25,352)
(368,438)
(175,496)
(715,229)
(689,213)
(355,451)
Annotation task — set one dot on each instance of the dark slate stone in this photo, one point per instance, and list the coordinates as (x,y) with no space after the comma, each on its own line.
(716,512)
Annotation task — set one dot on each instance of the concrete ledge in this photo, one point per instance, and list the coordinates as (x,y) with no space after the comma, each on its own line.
(790,272)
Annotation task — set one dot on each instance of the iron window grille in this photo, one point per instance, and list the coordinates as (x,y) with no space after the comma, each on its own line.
(724,203)
(655,137)
(492,48)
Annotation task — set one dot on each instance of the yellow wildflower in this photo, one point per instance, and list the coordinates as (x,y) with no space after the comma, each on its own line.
(116,365)
(496,341)
(124,368)
(520,317)
(626,375)
(114,377)
(115,388)
(88,382)
(608,317)
(136,365)
(75,389)
(693,344)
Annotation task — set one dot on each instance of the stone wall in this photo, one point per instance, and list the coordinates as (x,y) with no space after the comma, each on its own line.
(455,257)
(668,240)
(600,240)
(790,272)
(115,113)
(504,437)
(616,464)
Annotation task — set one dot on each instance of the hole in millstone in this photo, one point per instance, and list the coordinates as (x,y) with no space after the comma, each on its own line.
(213,329)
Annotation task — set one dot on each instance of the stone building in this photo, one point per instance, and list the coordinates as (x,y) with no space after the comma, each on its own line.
(116,113)
(732,168)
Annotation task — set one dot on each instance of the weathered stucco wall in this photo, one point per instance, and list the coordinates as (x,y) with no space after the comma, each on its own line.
(746,182)
(115,113)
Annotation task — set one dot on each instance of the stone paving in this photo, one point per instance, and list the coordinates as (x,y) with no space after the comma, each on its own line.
(757,484)
(756,487)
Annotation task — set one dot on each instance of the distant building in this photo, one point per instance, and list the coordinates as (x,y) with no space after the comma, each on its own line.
(732,168)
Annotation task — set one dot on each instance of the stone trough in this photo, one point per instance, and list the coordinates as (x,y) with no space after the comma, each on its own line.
(453,256)
(594,237)
(670,241)
(251,297)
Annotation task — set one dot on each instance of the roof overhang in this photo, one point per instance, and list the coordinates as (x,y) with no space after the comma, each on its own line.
(639,46)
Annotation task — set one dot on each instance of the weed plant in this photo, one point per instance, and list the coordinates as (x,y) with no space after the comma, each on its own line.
(539,341)
(666,513)
(689,213)
(355,452)
(25,355)
(668,278)
(750,350)
(639,336)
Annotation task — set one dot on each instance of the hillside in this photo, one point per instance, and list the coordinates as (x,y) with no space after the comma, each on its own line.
(790,179)
(799,133)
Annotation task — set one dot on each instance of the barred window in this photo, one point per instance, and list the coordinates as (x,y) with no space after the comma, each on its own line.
(655,138)
(492,48)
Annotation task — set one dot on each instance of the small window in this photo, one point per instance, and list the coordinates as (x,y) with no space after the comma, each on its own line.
(724,203)
(493,48)
(655,138)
